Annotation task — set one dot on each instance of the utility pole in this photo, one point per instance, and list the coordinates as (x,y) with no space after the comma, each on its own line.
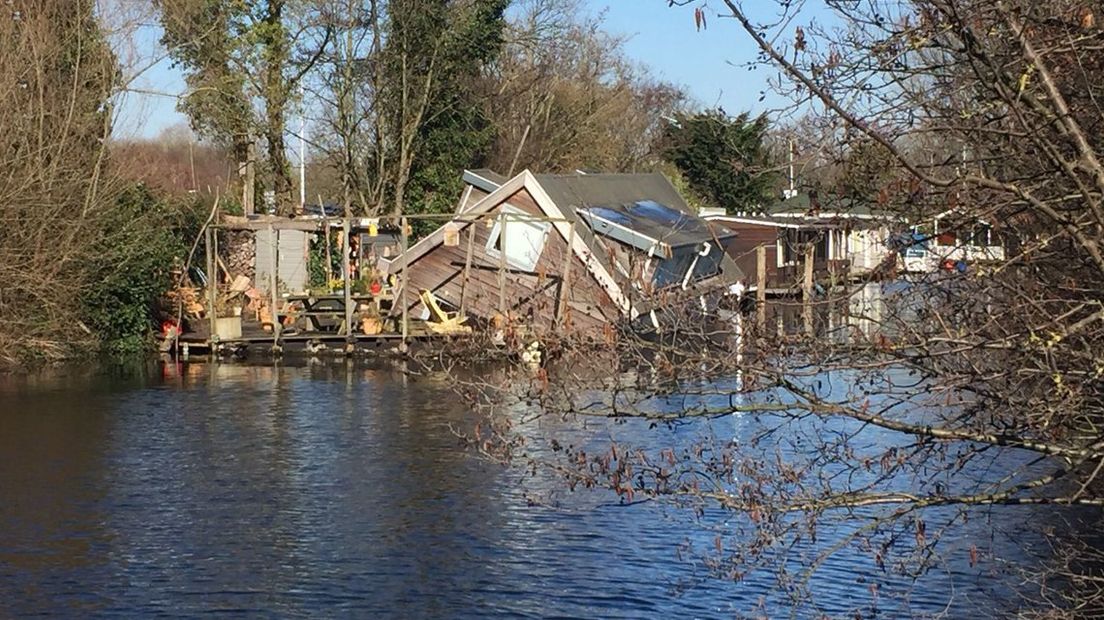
(302,151)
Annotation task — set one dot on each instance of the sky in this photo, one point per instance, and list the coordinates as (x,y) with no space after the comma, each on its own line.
(664,39)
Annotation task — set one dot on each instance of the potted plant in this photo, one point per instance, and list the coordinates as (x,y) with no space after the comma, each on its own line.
(374,282)
(370,322)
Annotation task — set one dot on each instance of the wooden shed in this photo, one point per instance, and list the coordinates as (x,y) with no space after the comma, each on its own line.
(573,252)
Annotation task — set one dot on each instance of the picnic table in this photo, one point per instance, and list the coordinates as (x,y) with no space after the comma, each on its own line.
(326,313)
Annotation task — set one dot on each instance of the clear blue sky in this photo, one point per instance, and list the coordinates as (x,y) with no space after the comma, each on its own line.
(660,37)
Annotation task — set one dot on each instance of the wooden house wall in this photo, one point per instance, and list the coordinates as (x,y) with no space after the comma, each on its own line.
(742,249)
(750,236)
(531,295)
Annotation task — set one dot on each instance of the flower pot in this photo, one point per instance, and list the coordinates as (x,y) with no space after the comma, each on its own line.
(371,326)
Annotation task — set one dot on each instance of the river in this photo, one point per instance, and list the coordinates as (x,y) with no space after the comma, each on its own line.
(339,490)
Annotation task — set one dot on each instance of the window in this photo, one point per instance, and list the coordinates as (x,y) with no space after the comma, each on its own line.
(671,271)
(710,264)
(982,235)
(520,236)
(792,243)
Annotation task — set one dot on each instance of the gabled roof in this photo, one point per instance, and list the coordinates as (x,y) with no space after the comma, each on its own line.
(560,222)
(616,205)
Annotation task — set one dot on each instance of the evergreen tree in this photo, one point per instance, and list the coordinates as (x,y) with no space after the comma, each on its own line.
(721,157)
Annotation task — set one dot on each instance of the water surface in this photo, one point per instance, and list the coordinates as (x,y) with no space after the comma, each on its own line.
(334,490)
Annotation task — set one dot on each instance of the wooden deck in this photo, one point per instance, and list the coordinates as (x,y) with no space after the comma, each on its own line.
(255,338)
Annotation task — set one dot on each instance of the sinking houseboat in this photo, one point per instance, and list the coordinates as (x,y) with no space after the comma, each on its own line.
(575,252)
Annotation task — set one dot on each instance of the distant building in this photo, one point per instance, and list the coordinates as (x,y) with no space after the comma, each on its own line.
(848,237)
(951,239)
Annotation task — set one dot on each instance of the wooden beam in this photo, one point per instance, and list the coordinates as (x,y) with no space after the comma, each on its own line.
(502,264)
(467,269)
(807,289)
(329,255)
(405,243)
(305,224)
(347,288)
(565,279)
(250,185)
(212,284)
(761,285)
(273,265)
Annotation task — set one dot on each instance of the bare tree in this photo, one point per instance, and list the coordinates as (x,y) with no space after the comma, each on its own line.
(962,391)
(564,96)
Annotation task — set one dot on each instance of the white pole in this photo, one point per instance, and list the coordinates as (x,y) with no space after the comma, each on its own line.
(791,167)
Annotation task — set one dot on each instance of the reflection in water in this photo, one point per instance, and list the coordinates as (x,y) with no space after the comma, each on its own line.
(862,314)
(333,490)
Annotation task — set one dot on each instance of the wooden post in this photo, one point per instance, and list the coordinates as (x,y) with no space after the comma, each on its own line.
(347,288)
(761,284)
(467,269)
(212,284)
(249,186)
(502,265)
(565,278)
(277,326)
(218,261)
(329,255)
(807,289)
(405,239)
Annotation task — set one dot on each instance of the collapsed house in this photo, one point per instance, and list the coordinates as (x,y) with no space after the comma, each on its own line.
(573,252)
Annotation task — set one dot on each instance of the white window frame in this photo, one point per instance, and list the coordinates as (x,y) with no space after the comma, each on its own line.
(512,216)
